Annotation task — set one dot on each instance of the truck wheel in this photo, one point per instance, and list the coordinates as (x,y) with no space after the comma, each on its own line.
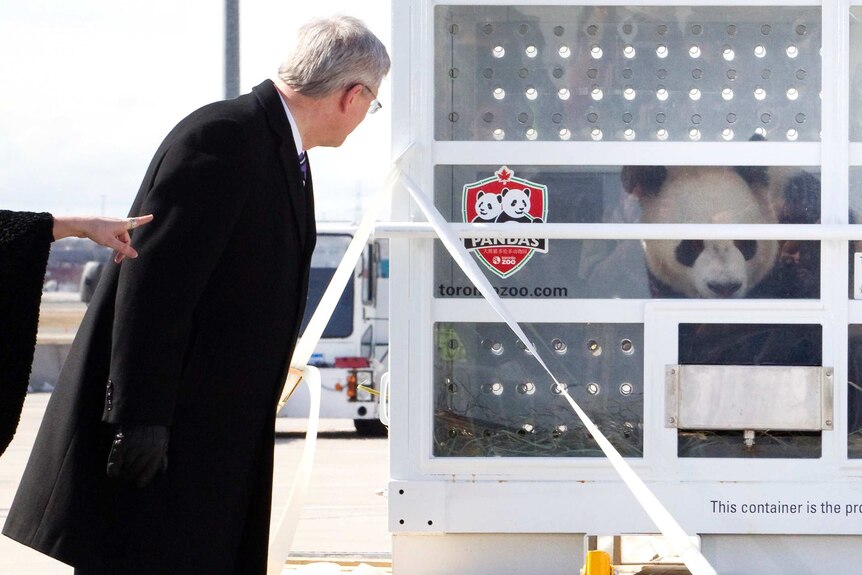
(370,428)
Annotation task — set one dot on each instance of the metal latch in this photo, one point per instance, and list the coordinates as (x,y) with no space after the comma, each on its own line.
(749,397)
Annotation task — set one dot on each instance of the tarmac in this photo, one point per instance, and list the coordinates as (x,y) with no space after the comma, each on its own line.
(343,525)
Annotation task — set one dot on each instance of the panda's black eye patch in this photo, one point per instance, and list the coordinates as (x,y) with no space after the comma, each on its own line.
(747,247)
(687,251)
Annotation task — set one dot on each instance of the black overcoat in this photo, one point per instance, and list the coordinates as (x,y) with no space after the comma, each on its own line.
(196,334)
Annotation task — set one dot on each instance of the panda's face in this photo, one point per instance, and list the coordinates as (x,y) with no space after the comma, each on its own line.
(488,206)
(708,268)
(516,203)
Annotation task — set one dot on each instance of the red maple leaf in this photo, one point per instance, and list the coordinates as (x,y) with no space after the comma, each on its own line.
(504,174)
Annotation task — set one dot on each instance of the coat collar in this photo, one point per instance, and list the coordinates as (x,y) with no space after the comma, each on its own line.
(303,211)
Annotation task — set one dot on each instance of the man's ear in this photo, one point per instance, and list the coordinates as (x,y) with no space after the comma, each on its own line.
(349,96)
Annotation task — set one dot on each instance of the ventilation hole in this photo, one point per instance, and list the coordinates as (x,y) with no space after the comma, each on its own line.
(626,388)
(731,118)
(792,134)
(498,51)
(694,94)
(697,73)
(593,388)
(661,134)
(557,118)
(792,93)
(760,51)
(499,134)
(765,29)
(627,73)
(629,51)
(629,134)
(531,93)
(565,134)
(531,134)
(759,93)
(559,346)
(661,51)
(627,347)
(592,29)
(629,93)
(563,94)
(800,118)
(766,117)
(694,52)
(558,388)
(792,51)
(527,388)
(488,117)
(727,93)
(531,51)
(596,93)
(728,54)
(661,74)
(732,74)
(559,30)
(594,348)
(592,117)
(523,73)
(727,134)
(596,51)
(564,52)
(499,93)
(662,29)
(661,94)
(731,30)
(694,134)
(596,134)
(696,119)
(488,28)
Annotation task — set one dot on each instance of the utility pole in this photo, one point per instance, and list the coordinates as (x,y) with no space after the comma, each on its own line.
(231,49)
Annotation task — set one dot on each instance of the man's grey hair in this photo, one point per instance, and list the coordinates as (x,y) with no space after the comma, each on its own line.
(333,54)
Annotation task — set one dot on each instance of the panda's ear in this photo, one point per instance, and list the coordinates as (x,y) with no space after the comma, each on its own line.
(527,192)
(754,176)
(503,193)
(641,181)
(480,194)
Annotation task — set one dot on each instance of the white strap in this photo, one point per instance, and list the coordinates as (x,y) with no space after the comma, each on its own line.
(676,536)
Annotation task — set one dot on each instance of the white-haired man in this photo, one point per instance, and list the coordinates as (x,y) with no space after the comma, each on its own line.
(155,455)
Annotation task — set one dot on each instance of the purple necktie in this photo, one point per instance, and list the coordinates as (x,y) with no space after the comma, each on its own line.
(303,165)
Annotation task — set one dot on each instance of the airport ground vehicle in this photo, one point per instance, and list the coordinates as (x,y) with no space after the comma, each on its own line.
(352,353)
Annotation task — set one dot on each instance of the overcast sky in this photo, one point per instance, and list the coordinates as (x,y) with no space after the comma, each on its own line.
(88,89)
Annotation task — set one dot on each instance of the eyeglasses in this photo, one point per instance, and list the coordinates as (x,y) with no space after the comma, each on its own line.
(375,104)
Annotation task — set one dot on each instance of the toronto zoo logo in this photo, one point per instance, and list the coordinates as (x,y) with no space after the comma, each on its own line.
(504,198)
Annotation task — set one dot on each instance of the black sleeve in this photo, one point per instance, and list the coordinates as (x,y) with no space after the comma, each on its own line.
(25,241)
(197,196)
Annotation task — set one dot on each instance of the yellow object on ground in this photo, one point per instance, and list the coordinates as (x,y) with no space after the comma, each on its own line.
(598,563)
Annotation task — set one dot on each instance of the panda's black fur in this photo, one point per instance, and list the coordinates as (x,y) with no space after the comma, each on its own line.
(750,194)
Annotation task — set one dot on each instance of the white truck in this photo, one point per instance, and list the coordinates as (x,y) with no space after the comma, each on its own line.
(352,353)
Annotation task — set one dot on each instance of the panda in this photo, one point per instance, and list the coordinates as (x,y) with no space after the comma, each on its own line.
(516,206)
(727,268)
(488,207)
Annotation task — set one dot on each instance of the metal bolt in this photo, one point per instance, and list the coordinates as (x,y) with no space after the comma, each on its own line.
(671,420)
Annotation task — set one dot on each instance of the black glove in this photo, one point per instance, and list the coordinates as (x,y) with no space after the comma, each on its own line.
(138,453)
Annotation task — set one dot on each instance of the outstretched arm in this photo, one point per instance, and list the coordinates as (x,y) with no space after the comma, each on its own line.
(109,232)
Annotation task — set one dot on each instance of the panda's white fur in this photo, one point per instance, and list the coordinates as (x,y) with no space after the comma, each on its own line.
(714,195)
(487,207)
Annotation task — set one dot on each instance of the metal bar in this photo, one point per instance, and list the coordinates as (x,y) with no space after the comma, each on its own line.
(814,232)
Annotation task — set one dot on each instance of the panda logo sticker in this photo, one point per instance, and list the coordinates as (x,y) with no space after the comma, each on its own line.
(504,198)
